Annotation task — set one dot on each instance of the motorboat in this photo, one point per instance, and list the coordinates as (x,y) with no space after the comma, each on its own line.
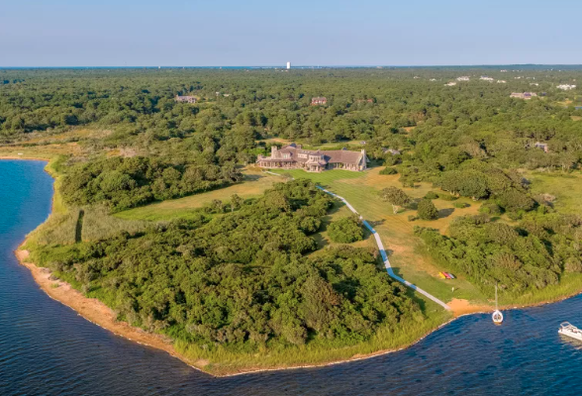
(570,330)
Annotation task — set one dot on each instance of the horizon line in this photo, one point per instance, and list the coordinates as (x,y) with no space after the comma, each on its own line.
(295,67)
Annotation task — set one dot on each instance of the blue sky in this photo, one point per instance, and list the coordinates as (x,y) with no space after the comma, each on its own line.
(261,32)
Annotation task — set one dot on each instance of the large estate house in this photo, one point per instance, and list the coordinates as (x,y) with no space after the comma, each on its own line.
(294,157)
(524,95)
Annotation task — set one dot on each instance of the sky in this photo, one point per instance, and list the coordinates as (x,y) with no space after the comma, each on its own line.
(49,33)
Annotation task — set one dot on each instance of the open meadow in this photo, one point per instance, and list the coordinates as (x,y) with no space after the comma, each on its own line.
(255,182)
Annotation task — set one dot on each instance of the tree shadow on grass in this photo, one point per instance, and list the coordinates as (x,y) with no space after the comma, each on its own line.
(252,178)
(376,223)
(79,227)
(414,295)
(445,212)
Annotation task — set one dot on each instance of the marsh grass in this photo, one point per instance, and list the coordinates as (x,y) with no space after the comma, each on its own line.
(99,224)
(224,361)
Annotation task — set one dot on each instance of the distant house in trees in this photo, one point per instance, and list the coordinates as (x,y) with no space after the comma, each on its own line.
(463,78)
(185,99)
(485,78)
(391,151)
(566,87)
(294,157)
(543,146)
(524,95)
(320,100)
(450,84)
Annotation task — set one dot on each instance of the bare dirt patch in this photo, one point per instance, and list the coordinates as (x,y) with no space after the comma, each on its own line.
(464,307)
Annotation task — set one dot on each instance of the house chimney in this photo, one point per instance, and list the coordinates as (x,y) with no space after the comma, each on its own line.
(273,151)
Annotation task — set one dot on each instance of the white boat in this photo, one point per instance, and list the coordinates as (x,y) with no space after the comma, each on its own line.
(570,330)
(497,315)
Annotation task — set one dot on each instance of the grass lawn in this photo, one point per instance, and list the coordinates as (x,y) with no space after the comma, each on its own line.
(406,251)
(566,187)
(254,184)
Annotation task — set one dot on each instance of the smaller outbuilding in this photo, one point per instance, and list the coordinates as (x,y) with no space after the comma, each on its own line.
(185,99)
(318,101)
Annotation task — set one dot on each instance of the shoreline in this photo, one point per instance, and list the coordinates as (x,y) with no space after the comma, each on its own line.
(98,313)
(101,315)
(92,309)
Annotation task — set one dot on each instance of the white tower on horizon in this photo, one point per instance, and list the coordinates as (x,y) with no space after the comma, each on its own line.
(288,65)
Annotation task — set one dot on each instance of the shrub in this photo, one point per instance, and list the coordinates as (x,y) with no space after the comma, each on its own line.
(573,264)
(515,216)
(448,197)
(515,200)
(412,218)
(461,205)
(388,171)
(427,210)
(346,230)
(490,208)
(431,195)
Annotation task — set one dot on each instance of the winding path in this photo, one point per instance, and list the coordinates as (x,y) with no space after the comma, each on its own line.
(384,255)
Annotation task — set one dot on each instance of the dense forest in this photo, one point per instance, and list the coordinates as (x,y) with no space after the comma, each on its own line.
(240,280)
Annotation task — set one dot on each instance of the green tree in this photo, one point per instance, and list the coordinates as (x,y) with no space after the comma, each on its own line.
(427,210)
(235,202)
(346,230)
(395,196)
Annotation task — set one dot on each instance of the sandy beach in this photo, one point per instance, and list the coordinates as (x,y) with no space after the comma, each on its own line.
(92,309)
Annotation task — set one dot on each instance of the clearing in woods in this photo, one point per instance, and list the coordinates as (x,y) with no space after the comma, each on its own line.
(565,187)
(406,252)
(255,183)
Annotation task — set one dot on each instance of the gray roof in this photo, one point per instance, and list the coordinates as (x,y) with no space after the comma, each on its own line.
(328,156)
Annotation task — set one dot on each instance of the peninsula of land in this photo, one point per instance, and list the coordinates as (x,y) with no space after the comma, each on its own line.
(266,220)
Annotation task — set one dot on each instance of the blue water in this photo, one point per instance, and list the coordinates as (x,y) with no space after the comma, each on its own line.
(47,349)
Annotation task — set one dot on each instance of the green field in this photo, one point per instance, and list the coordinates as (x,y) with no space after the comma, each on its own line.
(254,184)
